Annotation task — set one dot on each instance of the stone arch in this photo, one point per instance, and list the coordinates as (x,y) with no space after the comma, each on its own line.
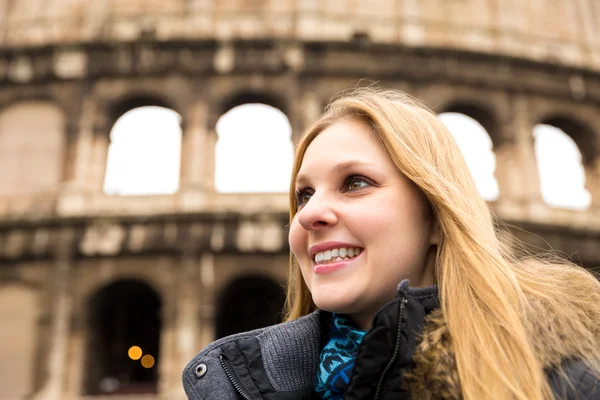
(33,139)
(481,112)
(471,125)
(248,148)
(141,175)
(587,140)
(115,108)
(566,150)
(88,288)
(18,339)
(123,314)
(253,96)
(248,303)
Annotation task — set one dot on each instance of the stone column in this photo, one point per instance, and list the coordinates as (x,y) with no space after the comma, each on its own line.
(166,363)
(196,149)
(187,323)
(99,158)
(75,370)
(305,111)
(84,146)
(516,166)
(206,307)
(209,160)
(72,199)
(53,387)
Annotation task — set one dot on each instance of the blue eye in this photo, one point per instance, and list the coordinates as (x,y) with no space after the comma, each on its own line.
(302,197)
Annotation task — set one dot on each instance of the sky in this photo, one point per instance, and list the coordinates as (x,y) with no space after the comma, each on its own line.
(254,153)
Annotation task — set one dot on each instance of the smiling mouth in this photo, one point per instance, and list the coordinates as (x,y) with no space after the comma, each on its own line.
(337,255)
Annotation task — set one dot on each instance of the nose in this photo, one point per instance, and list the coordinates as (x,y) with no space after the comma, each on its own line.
(318,213)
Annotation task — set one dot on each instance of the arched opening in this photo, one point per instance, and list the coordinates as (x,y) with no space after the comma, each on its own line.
(477,148)
(249,303)
(254,151)
(560,163)
(32,147)
(144,153)
(124,335)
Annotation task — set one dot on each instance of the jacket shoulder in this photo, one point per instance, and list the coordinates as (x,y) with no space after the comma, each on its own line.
(290,344)
(204,378)
(575,380)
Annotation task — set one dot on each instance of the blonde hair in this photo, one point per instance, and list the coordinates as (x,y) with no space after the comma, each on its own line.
(494,302)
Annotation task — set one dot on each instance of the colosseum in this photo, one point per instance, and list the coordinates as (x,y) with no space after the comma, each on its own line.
(86,274)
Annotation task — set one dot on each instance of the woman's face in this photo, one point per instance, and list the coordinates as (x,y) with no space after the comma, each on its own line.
(361,225)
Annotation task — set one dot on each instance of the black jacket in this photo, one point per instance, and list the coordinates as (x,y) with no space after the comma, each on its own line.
(280,362)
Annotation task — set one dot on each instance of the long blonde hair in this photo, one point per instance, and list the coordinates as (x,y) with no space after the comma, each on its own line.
(494,303)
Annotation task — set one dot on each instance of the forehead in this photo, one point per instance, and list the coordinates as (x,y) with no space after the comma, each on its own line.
(342,145)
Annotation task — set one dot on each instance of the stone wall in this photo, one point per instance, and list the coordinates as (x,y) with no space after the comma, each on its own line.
(556,31)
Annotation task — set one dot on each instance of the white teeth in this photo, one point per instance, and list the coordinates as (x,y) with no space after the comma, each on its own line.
(336,255)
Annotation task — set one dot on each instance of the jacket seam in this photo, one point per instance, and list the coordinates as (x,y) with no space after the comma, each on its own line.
(247,363)
(228,339)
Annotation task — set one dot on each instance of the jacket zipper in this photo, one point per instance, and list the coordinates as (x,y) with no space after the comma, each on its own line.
(233,381)
(396,347)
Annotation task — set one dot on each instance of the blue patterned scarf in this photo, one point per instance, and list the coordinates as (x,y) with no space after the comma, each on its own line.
(337,359)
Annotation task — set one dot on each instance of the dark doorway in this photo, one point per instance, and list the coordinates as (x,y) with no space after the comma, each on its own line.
(249,303)
(123,346)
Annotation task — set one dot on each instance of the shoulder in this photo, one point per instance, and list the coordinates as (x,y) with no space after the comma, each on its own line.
(575,380)
(294,342)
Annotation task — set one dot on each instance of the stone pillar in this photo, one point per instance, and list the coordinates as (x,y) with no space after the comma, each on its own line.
(516,166)
(209,160)
(196,149)
(84,147)
(76,372)
(187,323)
(167,361)
(508,174)
(194,146)
(71,199)
(205,315)
(53,387)
(97,142)
(305,112)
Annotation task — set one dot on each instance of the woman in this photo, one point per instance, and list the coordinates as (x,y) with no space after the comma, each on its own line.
(380,197)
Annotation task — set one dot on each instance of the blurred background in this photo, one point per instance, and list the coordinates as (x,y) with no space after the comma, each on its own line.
(146,147)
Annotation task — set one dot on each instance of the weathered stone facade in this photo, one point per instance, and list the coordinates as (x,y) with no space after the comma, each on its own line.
(81,65)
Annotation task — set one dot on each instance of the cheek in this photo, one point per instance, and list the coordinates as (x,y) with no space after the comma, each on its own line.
(394,220)
(297,239)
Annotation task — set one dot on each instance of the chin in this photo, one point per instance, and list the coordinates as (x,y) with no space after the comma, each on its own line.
(338,304)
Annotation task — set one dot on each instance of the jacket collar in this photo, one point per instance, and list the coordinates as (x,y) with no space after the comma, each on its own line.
(284,358)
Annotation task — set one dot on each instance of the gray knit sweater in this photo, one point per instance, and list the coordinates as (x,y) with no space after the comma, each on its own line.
(290,353)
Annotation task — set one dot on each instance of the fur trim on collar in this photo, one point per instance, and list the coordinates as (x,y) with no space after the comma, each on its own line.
(435,376)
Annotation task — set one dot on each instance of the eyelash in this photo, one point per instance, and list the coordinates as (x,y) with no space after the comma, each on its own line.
(351,178)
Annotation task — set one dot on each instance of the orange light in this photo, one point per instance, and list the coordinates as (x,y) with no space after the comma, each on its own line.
(134,352)
(147,361)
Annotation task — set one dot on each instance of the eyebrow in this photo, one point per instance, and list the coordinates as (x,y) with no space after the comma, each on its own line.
(339,168)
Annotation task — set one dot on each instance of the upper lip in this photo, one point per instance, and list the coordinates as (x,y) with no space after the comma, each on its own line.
(317,248)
